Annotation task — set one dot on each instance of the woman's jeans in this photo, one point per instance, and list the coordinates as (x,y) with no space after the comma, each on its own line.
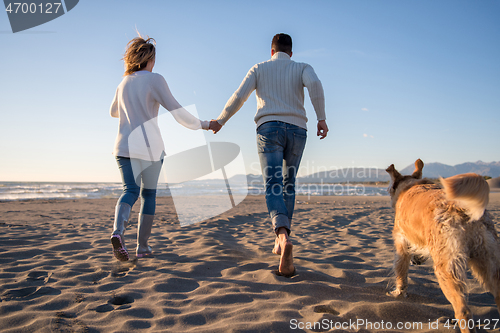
(139,178)
(280,146)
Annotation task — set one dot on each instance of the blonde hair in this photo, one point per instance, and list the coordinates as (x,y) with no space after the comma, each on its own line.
(139,52)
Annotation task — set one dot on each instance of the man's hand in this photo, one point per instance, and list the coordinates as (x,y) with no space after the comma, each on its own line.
(322,129)
(214,126)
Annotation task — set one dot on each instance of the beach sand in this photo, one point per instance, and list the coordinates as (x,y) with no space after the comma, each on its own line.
(58,273)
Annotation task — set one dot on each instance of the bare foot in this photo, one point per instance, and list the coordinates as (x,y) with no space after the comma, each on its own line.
(277,247)
(286,267)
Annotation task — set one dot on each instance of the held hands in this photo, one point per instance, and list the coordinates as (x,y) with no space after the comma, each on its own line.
(322,129)
(214,126)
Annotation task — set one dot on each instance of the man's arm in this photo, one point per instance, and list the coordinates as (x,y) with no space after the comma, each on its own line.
(317,96)
(315,89)
(240,96)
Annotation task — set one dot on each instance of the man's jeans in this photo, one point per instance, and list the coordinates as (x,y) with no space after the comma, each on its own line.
(280,146)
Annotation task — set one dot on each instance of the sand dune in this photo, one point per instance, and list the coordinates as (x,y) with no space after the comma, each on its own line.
(58,274)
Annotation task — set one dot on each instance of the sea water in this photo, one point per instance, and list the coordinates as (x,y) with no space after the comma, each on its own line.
(53,190)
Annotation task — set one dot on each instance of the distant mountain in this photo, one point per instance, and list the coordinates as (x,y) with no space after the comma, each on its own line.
(431,170)
(254,179)
(359,175)
(352,175)
(250,178)
(435,170)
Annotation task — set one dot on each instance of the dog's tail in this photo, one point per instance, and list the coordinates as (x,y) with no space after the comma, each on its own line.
(469,191)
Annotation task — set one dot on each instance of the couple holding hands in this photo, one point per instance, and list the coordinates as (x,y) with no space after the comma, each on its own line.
(281,136)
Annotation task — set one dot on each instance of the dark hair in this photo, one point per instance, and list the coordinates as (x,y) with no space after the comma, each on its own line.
(282,43)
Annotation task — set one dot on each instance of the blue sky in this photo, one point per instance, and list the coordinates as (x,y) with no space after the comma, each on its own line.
(402,79)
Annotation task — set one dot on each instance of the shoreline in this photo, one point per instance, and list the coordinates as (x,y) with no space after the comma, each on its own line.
(72,191)
(493,192)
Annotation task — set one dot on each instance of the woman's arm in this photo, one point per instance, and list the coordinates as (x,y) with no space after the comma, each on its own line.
(113,110)
(161,92)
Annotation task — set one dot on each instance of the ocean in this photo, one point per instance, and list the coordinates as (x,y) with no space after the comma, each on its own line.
(52,190)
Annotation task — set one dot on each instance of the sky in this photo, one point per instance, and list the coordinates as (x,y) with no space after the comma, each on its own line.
(402,79)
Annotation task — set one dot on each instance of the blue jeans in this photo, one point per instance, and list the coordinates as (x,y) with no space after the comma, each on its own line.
(139,178)
(280,146)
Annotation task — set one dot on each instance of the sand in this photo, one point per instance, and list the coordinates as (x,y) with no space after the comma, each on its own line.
(58,273)
(494,184)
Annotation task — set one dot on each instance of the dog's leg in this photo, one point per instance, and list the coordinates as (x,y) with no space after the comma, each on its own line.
(486,266)
(451,277)
(401,265)
(486,270)
(496,291)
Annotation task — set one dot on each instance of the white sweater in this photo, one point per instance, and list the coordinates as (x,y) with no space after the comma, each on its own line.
(137,101)
(279,84)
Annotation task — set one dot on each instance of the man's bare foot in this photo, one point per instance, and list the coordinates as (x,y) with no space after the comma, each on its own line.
(286,261)
(286,267)
(277,247)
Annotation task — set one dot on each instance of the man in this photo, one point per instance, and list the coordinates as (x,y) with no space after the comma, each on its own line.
(281,132)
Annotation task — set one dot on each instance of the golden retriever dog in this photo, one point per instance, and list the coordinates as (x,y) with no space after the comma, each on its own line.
(450,223)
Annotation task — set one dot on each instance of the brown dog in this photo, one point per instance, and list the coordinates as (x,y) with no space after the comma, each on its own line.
(452,226)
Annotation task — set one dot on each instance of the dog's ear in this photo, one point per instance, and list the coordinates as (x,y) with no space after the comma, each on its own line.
(419,165)
(395,175)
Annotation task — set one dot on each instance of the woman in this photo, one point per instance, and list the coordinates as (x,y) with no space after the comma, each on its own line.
(139,147)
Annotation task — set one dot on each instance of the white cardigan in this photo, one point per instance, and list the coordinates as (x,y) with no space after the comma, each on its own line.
(136,102)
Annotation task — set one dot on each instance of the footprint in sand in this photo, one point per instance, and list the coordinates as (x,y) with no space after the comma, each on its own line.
(326,309)
(67,322)
(29,292)
(121,269)
(37,275)
(104,308)
(119,300)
